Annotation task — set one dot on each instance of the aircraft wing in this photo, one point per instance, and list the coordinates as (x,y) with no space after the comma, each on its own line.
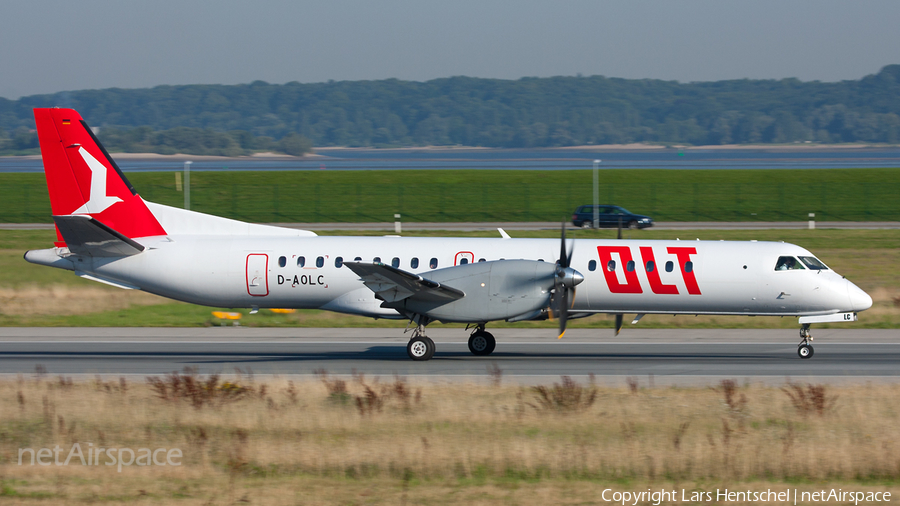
(391,284)
(86,236)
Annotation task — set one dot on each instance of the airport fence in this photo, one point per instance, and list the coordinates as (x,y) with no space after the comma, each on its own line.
(538,201)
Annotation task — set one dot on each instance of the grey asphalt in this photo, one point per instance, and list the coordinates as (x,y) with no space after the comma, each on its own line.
(548,225)
(530,356)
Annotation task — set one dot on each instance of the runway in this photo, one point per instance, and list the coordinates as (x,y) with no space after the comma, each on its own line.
(530,356)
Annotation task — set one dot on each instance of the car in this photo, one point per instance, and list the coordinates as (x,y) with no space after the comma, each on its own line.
(609,217)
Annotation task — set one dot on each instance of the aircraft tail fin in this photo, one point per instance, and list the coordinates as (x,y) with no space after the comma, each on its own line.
(83,179)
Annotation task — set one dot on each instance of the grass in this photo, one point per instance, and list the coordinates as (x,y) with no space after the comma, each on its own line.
(32,295)
(361,440)
(505,195)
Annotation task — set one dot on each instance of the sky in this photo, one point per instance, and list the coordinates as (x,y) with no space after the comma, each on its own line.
(49,45)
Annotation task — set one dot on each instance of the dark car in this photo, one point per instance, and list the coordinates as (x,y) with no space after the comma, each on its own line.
(609,217)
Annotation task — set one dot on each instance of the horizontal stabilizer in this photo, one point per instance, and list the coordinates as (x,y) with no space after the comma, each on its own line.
(392,284)
(86,236)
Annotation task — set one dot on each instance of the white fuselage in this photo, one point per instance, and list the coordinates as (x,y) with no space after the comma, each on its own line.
(246,271)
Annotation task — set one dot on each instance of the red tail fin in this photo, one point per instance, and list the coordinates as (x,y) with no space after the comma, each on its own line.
(83,179)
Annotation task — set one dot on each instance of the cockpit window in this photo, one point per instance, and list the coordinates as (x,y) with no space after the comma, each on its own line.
(788,264)
(814,263)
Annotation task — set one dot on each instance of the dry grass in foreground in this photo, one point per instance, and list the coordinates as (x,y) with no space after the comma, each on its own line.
(59,299)
(361,440)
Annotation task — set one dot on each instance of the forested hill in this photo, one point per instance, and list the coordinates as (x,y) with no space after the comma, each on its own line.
(527,112)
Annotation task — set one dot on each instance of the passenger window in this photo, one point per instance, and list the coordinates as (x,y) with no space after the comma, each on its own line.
(540,259)
(689,266)
(788,264)
(320,261)
(650,266)
(339,262)
(592,265)
(282,261)
(463,261)
(670,266)
(481,260)
(395,262)
(629,266)
(301,261)
(414,263)
(433,263)
(357,259)
(611,265)
(376,260)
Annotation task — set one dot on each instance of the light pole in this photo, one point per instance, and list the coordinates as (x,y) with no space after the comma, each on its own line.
(187,185)
(596,194)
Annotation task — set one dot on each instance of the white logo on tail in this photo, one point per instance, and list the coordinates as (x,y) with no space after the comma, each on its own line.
(99,200)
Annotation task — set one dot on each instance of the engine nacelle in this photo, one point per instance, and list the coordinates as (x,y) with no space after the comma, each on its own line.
(494,290)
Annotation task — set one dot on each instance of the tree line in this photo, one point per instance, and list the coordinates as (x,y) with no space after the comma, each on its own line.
(528,112)
(187,140)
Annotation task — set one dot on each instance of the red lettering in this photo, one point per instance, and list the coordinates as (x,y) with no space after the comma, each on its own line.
(653,276)
(632,285)
(684,256)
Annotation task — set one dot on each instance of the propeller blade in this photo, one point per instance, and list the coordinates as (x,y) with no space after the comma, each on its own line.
(563,311)
(564,284)
(563,256)
(618,323)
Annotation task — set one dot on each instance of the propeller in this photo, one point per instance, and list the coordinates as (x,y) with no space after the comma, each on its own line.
(564,282)
(619,316)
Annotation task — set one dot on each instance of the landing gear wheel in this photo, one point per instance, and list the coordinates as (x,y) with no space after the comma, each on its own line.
(420,348)
(482,343)
(805,351)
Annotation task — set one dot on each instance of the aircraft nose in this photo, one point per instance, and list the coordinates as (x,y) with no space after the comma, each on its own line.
(859,300)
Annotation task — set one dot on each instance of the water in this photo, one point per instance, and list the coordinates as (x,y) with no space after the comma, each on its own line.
(534,159)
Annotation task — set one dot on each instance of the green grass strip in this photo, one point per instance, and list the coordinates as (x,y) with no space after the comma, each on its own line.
(502,195)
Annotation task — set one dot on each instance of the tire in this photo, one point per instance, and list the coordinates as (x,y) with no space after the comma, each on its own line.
(420,348)
(805,351)
(586,224)
(482,343)
(633,225)
(492,341)
(431,347)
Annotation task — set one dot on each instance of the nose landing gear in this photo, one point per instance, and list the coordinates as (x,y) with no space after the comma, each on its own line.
(804,349)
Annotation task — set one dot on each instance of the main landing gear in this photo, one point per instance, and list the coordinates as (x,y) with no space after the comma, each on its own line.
(804,349)
(420,348)
(481,342)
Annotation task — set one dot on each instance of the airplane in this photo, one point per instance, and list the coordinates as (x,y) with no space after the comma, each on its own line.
(107,233)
